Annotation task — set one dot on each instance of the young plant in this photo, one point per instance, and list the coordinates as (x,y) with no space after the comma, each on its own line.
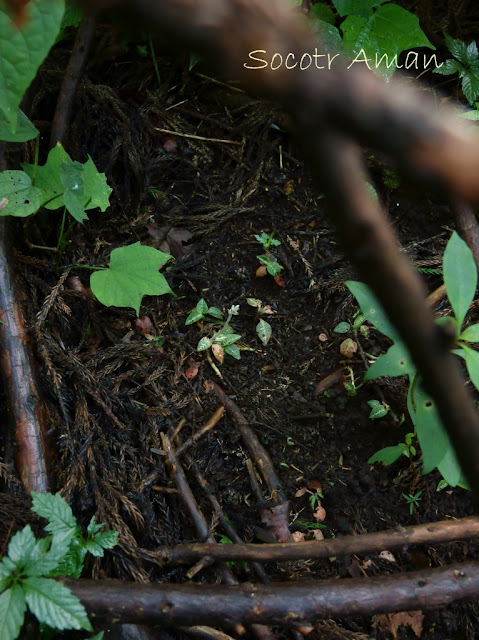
(203,312)
(27,571)
(465,63)
(412,500)
(263,328)
(374,33)
(388,455)
(268,260)
(460,278)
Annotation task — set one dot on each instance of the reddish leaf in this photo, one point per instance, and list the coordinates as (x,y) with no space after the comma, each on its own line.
(143,325)
(392,621)
(279,280)
(276,521)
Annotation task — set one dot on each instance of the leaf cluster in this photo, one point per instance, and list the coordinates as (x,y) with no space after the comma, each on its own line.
(28,570)
(465,63)
(460,279)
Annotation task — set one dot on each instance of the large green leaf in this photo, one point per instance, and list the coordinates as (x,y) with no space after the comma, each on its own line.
(133,273)
(386,32)
(460,276)
(432,436)
(21,546)
(54,604)
(450,469)
(388,455)
(24,129)
(22,198)
(371,308)
(395,362)
(23,50)
(64,181)
(12,612)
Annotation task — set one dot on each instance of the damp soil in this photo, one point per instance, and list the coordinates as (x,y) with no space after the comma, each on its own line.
(112,390)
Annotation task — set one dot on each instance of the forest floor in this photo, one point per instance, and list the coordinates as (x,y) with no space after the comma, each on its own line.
(113,385)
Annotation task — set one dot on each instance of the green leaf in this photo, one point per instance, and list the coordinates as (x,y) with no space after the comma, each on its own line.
(449,468)
(133,273)
(321,11)
(98,636)
(356,7)
(102,541)
(264,331)
(56,510)
(21,546)
(371,308)
(65,182)
(471,333)
(24,129)
(472,364)
(22,50)
(23,199)
(12,612)
(395,362)
(43,561)
(226,339)
(470,85)
(232,350)
(431,435)
(460,276)
(342,327)
(378,410)
(194,316)
(204,344)
(54,604)
(329,38)
(388,455)
(458,48)
(386,32)
(215,312)
(448,68)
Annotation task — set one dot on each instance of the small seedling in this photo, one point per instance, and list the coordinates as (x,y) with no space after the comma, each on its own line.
(263,328)
(268,260)
(388,455)
(28,570)
(412,500)
(465,63)
(203,312)
(315,498)
(378,409)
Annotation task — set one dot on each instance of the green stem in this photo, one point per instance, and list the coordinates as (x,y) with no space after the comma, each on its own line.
(153,57)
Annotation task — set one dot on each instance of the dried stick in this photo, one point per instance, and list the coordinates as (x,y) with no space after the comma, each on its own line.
(430,534)
(285,603)
(83,40)
(210,424)
(254,446)
(17,362)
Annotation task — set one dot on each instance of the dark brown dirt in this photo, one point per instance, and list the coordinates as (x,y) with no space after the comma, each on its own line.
(111,391)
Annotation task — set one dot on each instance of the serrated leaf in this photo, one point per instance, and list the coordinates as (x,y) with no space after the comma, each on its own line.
(264,331)
(204,344)
(102,541)
(460,276)
(24,129)
(388,455)
(49,553)
(472,54)
(12,612)
(386,32)
(457,47)
(449,67)
(471,333)
(21,546)
(133,273)
(470,85)
(54,604)
(56,510)
(395,362)
(233,350)
(22,50)
(23,198)
(371,308)
(93,528)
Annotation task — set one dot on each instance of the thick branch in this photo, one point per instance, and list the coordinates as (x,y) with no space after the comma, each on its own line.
(434,533)
(289,604)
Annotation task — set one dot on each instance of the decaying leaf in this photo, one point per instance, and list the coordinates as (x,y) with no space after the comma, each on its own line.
(348,348)
(320,513)
(298,536)
(192,368)
(392,621)
(276,521)
(218,352)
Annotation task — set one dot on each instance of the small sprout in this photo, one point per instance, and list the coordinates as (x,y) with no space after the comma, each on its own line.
(412,500)
(378,409)
(342,327)
(267,240)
